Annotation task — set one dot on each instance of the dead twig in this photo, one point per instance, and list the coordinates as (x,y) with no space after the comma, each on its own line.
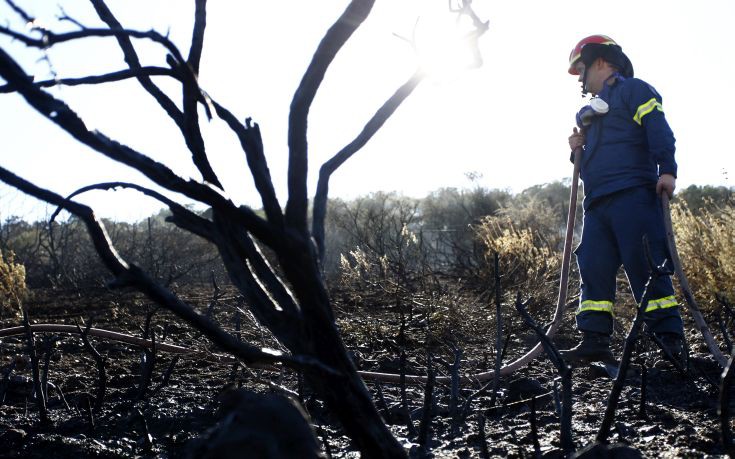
(147,439)
(99,361)
(383,405)
(166,375)
(567,441)
(454,391)
(47,349)
(88,411)
(725,333)
(464,412)
(402,371)
(498,327)
(425,425)
(724,407)
(216,293)
(534,428)
(38,392)
(147,358)
(642,412)
(484,452)
(6,381)
(630,341)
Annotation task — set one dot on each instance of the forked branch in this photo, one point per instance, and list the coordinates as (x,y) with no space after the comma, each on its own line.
(372,126)
(356,12)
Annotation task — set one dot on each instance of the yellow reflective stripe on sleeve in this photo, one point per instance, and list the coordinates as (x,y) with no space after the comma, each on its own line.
(590,305)
(662,303)
(645,109)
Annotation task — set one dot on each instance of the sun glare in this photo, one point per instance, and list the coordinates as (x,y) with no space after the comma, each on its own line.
(446,43)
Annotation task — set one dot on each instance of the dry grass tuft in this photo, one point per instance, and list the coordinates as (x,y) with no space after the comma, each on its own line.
(527,241)
(12,286)
(705,239)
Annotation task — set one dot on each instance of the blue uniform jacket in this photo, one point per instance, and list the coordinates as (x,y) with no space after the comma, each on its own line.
(629,146)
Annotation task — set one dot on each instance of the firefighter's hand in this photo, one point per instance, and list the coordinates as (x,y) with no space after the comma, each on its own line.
(576,140)
(667,183)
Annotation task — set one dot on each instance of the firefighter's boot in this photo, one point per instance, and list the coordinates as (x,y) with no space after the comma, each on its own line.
(595,347)
(671,343)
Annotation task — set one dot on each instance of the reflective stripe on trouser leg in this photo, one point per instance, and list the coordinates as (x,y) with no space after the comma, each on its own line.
(661,303)
(598,261)
(662,315)
(595,316)
(591,305)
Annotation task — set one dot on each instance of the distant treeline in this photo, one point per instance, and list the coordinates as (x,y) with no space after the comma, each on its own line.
(450,231)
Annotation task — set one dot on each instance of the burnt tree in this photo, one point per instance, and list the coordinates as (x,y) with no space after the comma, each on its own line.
(291,300)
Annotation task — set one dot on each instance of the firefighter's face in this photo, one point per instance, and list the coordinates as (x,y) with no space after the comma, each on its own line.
(596,75)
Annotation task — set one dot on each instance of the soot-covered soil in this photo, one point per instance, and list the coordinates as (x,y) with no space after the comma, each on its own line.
(169,419)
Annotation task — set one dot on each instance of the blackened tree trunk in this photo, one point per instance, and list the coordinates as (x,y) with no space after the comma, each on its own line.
(292,302)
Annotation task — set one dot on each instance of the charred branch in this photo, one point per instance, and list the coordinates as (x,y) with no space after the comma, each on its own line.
(642,411)
(216,293)
(337,35)
(131,58)
(252,144)
(484,452)
(166,375)
(50,38)
(383,404)
(101,363)
(723,409)
(197,39)
(60,113)
(147,361)
(725,333)
(20,12)
(534,428)
(677,363)
(37,389)
(498,327)
(180,215)
(6,381)
(425,425)
(567,440)
(47,349)
(466,406)
(187,121)
(402,374)
(268,299)
(88,411)
(96,79)
(730,314)
(328,168)
(630,341)
(455,412)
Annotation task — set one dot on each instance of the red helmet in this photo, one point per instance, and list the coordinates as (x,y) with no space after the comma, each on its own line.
(576,53)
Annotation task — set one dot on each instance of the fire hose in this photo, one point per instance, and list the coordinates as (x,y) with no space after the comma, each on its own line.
(686,292)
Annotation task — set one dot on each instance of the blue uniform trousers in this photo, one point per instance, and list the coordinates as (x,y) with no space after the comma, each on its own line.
(613,231)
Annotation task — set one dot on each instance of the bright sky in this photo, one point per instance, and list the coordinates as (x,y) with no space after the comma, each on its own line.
(508,120)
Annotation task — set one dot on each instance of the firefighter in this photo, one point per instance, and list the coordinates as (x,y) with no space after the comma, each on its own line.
(626,163)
